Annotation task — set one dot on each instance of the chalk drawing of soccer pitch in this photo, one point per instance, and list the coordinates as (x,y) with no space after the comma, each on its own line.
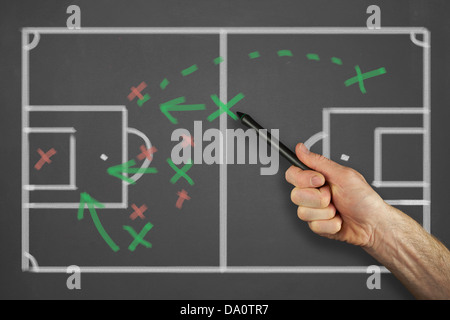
(30,262)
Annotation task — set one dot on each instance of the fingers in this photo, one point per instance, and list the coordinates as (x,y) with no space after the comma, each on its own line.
(312,197)
(326,227)
(312,214)
(323,221)
(304,178)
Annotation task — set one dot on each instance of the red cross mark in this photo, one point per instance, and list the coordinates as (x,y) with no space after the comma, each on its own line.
(45,158)
(136,92)
(182,195)
(146,153)
(187,140)
(138,212)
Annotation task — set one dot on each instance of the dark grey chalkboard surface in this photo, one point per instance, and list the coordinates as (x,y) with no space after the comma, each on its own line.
(237,236)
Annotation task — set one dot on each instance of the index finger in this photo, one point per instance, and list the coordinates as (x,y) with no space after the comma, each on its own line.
(304,178)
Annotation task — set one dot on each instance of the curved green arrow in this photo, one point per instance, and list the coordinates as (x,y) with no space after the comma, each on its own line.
(174,105)
(86,199)
(117,171)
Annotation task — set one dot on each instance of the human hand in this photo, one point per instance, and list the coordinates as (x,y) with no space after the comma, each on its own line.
(335,200)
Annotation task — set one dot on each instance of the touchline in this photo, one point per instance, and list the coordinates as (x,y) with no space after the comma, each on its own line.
(235,144)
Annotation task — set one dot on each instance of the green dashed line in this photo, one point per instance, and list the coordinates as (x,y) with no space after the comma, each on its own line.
(254,55)
(189,70)
(285,53)
(218,60)
(336,61)
(164,84)
(313,56)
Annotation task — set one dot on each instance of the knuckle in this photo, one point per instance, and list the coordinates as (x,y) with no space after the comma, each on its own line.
(321,157)
(301,214)
(299,180)
(348,173)
(322,160)
(314,226)
(286,175)
(324,200)
(331,211)
(294,195)
(293,176)
(336,227)
(352,174)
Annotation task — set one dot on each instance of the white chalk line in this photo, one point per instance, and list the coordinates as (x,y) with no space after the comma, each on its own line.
(50,130)
(33,44)
(426,221)
(75,108)
(48,187)
(73,164)
(387,110)
(71,205)
(408,202)
(223,173)
(314,139)
(230,30)
(378,157)
(25,151)
(72,172)
(34,264)
(218,269)
(148,145)
(400,184)
(423,44)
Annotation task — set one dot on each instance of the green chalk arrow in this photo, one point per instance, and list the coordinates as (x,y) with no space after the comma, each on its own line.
(119,170)
(91,203)
(174,105)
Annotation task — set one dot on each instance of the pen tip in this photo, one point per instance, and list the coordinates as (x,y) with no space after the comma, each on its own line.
(240,114)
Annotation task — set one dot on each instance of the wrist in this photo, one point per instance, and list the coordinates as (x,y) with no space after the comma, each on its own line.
(383,233)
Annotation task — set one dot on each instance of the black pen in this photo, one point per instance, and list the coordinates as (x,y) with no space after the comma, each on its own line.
(280,147)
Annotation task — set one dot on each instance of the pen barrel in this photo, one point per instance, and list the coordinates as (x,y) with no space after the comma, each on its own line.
(274,142)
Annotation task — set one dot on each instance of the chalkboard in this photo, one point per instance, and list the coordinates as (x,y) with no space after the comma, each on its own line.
(103,110)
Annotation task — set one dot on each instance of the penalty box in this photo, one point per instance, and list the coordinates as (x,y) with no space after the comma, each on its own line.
(81,123)
(399,170)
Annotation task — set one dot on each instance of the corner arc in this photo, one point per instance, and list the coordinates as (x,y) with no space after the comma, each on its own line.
(425,43)
(33,44)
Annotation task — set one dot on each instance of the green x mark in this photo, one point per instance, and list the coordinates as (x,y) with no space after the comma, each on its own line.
(139,238)
(180,172)
(225,107)
(360,77)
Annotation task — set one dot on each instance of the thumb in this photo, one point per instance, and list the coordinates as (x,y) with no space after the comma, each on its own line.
(318,162)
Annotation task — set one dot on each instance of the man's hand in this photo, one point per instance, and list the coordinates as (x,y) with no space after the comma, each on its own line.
(336,201)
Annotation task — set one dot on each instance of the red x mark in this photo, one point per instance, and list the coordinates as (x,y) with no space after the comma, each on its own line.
(187,140)
(146,153)
(138,212)
(45,158)
(136,92)
(182,195)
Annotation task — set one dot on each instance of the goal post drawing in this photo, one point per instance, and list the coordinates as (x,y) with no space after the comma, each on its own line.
(31,263)
(378,171)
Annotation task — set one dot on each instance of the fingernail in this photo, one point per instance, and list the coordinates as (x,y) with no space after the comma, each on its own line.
(304,149)
(316,181)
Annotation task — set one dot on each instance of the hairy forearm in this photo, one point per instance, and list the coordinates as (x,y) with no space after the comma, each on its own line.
(416,258)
